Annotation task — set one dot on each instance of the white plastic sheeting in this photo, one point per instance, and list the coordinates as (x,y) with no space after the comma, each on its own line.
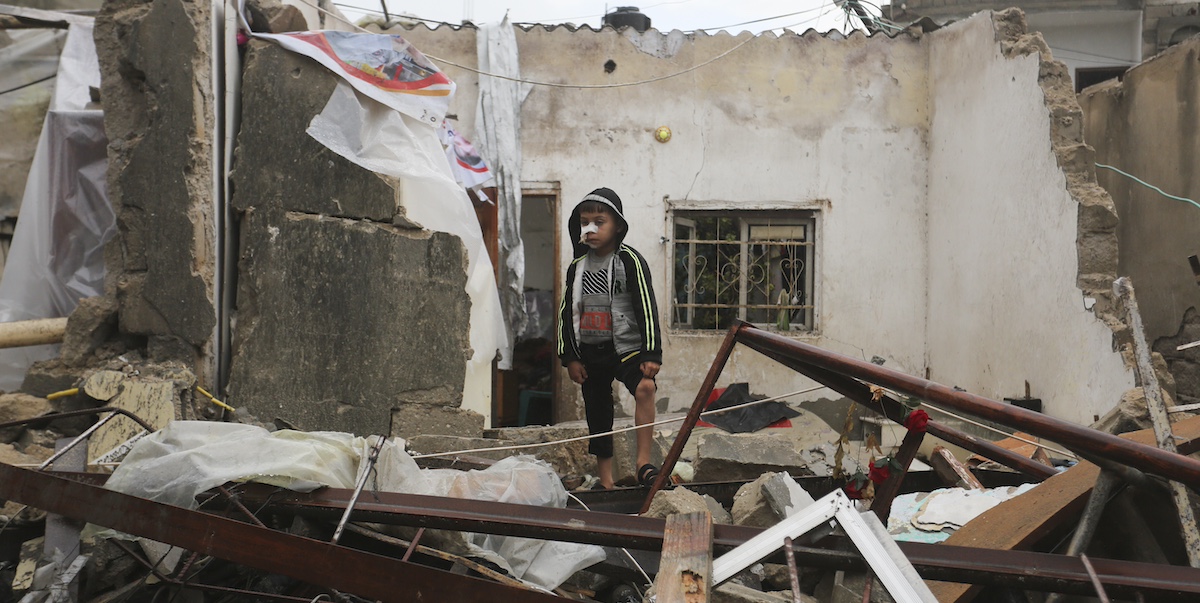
(498,127)
(393,144)
(186,458)
(57,253)
(28,63)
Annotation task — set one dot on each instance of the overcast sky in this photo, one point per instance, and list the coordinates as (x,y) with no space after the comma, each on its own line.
(665,15)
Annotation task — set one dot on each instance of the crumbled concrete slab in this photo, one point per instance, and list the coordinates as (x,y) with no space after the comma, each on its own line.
(46,377)
(411,419)
(90,325)
(18,407)
(768,500)
(11,456)
(433,444)
(680,500)
(272,16)
(746,456)
(1130,414)
(732,592)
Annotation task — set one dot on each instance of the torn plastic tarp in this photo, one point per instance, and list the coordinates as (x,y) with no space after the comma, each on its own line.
(393,144)
(468,167)
(186,458)
(27,66)
(57,253)
(750,418)
(498,132)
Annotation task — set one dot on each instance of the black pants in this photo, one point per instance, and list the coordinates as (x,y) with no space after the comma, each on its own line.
(602,366)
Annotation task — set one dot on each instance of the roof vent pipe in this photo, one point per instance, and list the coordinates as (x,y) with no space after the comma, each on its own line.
(627,16)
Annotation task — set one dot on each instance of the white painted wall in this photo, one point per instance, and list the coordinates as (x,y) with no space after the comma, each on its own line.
(946,236)
(1003,304)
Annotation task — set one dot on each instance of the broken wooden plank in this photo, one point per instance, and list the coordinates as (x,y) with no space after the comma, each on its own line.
(1021,522)
(952,471)
(685,569)
(1159,419)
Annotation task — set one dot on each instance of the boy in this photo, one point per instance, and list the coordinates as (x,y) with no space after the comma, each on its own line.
(608,327)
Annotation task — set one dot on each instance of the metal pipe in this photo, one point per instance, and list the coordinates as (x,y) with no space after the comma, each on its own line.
(80,413)
(1076,437)
(892,409)
(693,416)
(40,331)
(368,466)
(1087,564)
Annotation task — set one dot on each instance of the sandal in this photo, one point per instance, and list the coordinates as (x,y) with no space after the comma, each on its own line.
(646,475)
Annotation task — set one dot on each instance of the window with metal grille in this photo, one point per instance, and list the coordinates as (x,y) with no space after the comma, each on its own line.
(755,266)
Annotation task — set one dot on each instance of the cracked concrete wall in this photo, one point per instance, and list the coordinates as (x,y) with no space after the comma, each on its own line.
(1148,125)
(1022,241)
(345,312)
(158,112)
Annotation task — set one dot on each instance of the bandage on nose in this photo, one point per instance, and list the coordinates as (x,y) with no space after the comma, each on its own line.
(583,232)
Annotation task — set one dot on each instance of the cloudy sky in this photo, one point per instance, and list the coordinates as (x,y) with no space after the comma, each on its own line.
(685,15)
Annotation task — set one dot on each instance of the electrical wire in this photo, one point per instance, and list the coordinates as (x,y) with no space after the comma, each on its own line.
(649,582)
(28,84)
(1148,185)
(999,431)
(1092,54)
(807,10)
(548,84)
(615,431)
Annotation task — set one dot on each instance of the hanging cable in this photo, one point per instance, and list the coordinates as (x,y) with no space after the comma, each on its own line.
(1148,185)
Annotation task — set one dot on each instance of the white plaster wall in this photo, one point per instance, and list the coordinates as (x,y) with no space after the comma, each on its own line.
(798,122)
(1003,304)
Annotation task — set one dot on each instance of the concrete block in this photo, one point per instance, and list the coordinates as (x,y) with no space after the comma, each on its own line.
(430,444)
(724,456)
(676,501)
(48,376)
(17,407)
(409,420)
(90,325)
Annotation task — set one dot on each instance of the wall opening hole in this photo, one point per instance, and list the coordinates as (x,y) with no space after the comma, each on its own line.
(610,66)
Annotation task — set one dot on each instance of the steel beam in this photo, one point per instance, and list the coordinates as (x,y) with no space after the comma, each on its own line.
(349,570)
(1075,437)
(1026,570)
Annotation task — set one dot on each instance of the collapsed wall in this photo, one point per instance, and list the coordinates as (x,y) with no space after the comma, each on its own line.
(1148,125)
(157,97)
(346,312)
(1022,241)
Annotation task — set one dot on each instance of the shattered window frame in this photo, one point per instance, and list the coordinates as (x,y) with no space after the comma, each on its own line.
(731,264)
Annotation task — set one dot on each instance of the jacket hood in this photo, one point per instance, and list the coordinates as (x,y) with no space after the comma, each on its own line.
(607,197)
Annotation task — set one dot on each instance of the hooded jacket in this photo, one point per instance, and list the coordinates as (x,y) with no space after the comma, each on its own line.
(636,332)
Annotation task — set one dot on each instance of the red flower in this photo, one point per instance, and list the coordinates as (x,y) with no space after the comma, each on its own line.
(856,487)
(916,420)
(879,472)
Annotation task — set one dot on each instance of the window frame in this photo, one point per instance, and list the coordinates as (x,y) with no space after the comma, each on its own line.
(747,215)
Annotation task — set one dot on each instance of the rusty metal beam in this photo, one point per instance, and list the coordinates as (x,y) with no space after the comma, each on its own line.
(1034,571)
(892,409)
(323,564)
(1075,437)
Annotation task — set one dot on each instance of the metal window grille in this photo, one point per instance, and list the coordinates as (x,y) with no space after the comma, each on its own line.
(755,266)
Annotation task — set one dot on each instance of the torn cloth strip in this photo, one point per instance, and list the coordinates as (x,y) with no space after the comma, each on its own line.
(750,418)
(498,124)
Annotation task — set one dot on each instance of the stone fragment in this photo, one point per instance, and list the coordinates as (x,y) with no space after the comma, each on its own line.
(104,385)
(570,459)
(674,502)
(768,500)
(89,326)
(18,407)
(155,395)
(410,419)
(9,455)
(432,444)
(272,16)
(46,377)
(732,592)
(718,512)
(723,456)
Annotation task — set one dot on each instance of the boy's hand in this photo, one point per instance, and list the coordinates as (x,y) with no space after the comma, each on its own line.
(650,369)
(576,371)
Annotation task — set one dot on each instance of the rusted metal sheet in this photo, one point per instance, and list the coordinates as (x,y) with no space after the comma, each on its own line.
(323,564)
(1075,437)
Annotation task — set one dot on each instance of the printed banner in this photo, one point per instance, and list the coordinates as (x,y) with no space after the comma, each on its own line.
(384,67)
(468,166)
